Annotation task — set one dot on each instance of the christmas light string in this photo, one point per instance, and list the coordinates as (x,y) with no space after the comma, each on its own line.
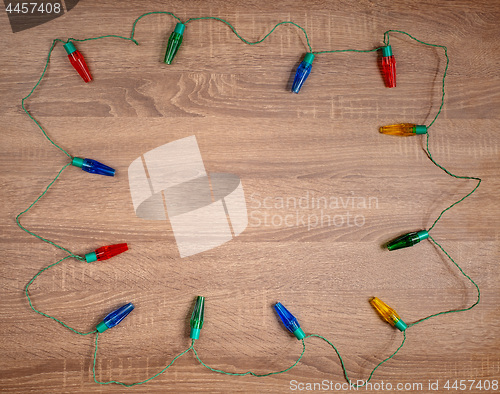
(290,322)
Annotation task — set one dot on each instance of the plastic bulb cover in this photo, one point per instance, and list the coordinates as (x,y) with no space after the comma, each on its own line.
(78,61)
(93,166)
(174,43)
(289,321)
(389,71)
(301,75)
(106,252)
(115,317)
(197,316)
(404,129)
(388,314)
(407,240)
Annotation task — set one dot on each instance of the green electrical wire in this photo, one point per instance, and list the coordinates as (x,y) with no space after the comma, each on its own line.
(258,41)
(452,310)
(250,372)
(71,255)
(347,50)
(54,42)
(106,36)
(136,383)
(18,217)
(342,361)
(223,21)
(150,13)
(454,176)
(26,292)
(300,357)
(197,358)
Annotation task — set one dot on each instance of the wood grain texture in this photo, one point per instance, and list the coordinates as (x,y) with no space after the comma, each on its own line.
(323,142)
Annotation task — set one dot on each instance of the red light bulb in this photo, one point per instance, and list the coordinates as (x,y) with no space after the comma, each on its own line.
(105,252)
(388,67)
(78,61)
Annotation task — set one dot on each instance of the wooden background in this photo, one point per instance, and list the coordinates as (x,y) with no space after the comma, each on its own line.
(323,142)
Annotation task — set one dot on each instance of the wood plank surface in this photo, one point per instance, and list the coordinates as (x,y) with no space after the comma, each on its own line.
(322,143)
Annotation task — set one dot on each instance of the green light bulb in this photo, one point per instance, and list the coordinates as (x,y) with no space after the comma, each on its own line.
(174,42)
(196,322)
(407,240)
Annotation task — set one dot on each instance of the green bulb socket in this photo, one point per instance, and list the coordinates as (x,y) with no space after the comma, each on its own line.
(91,257)
(70,48)
(299,333)
(101,327)
(179,28)
(387,51)
(420,129)
(422,235)
(77,162)
(195,333)
(309,57)
(401,325)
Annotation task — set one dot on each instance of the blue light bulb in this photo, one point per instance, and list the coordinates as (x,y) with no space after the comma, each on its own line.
(93,166)
(115,317)
(302,72)
(289,321)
